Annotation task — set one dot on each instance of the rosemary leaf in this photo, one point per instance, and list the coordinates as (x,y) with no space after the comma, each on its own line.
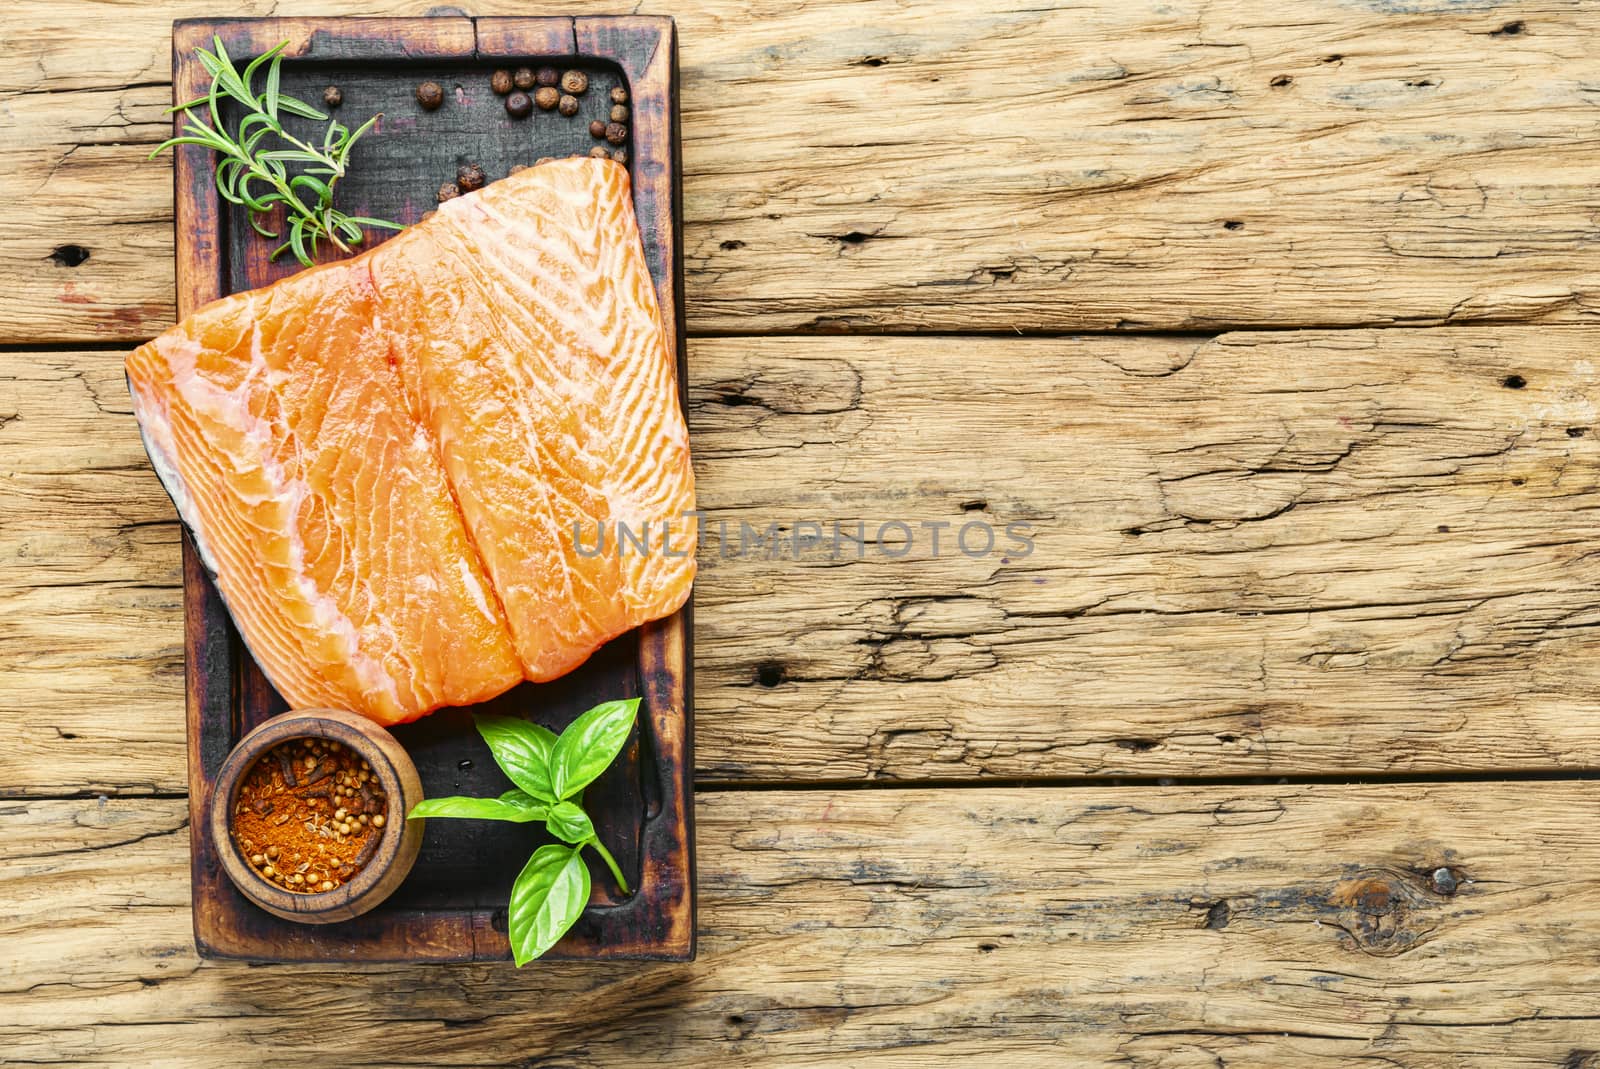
(259,150)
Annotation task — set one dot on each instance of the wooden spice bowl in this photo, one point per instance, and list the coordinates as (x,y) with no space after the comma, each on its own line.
(395,853)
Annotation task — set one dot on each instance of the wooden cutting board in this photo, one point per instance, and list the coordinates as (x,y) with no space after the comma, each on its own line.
(452,906)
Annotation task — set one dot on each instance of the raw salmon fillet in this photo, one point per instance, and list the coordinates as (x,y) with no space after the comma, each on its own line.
(400,468)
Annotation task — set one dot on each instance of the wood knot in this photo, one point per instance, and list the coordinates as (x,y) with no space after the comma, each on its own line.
(1383,913)
(69,255)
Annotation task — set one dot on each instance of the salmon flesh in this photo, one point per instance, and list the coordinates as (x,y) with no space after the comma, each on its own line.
(455,462)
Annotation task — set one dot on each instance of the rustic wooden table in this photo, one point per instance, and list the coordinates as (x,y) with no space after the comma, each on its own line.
(1277,322)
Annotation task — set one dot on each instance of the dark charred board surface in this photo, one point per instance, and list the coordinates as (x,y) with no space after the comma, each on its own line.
(452,906)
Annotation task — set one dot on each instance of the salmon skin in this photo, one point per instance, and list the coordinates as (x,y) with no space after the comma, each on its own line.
(408,471)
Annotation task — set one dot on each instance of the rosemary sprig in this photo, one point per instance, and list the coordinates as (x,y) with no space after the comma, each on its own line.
(247,159)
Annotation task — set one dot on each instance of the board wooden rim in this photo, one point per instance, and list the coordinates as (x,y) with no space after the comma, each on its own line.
(658,921)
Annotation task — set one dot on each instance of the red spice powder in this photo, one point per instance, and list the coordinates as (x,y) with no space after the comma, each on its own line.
(309,815)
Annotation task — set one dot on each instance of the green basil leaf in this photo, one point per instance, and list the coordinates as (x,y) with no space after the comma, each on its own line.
(546,900)
(590,744)
(569,823)
(515,806)
(522,750)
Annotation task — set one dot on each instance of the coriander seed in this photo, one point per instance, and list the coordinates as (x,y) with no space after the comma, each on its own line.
(547,76)
(599,152)
(500,82)
(547,97)
(616,133)
(619,113)
(574,82)
(568,106)
(619,95)
(332,96)
(523,78)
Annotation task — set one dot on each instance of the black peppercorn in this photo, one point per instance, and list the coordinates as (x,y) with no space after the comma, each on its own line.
(616,133)
(599,152)
(619,113)
(333,96)
(449,191)
(568,106)
(547,76)
(619,95)
(430,95)
(470,176)
(621,155)
(547,98)
(518,105)
(500,82)
(574,82)
(597,129)
(523,78)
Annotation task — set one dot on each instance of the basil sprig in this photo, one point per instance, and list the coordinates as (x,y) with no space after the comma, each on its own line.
(550,773)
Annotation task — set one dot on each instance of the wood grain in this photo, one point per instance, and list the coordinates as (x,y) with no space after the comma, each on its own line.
(1259,554)
(1414,927)
(881,166)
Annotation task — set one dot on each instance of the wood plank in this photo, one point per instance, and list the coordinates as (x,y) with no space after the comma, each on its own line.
(1261,554)
(1330,927)
(91,585)
(871,166)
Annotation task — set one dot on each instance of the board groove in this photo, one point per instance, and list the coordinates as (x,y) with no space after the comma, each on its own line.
(451,908)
